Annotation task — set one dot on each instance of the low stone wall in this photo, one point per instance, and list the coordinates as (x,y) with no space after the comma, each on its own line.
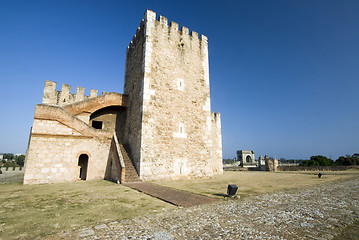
(316,168)
(12,169)
(234,168)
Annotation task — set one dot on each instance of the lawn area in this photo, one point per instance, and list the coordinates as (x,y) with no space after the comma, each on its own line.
(254,182)
(35,211)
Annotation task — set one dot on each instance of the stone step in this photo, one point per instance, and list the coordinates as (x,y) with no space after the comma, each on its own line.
(131,174)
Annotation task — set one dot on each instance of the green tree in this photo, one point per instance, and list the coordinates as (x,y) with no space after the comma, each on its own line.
(20,159)
(321,160)
(318,161)
(347,160)
(8,156)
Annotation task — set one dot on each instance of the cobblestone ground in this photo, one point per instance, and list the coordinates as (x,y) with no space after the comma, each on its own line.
(314,213)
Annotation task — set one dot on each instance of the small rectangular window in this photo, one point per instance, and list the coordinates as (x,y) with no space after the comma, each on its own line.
(97,124)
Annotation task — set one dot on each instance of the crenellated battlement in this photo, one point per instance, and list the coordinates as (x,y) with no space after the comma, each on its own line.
(163,21)
(64,97)
(172,29)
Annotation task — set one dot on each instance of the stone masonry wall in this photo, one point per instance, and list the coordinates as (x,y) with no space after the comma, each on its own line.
(176,134)
(54,158)
(57,140)
(64,97)
(271,164)
(133,87)
(217,143)
(112,119)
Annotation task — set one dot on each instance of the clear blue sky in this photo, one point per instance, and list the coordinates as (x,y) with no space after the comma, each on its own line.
(284,74)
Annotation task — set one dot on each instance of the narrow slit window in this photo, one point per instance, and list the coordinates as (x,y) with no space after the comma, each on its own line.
(180,133)
(181,128)
(180,84)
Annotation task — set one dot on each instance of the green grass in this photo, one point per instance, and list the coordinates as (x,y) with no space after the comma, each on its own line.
(35,211)
(253,182)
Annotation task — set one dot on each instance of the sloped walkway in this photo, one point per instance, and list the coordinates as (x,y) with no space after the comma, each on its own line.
(176,197)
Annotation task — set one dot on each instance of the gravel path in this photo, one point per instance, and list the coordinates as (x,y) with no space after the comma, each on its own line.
(313,213)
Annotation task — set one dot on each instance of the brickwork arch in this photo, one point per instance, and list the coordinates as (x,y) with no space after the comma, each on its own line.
(94,104)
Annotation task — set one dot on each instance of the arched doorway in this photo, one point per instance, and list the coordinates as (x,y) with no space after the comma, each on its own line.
(248,159)
(83,162)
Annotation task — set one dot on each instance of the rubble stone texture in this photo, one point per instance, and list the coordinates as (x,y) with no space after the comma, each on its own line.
(163,120)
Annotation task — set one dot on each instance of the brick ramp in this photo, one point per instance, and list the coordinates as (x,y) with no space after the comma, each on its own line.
(176,197)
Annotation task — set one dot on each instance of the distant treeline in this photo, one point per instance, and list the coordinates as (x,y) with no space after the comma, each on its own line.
(281,160)
(11,160)
(324,161)
(316,161)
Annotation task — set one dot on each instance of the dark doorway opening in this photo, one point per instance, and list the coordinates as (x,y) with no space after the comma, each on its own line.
(83,163)
(97,124)
(248,159)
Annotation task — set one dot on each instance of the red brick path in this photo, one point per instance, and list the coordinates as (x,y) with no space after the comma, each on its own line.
(176,197)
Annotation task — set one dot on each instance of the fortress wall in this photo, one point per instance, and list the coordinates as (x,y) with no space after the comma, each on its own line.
(48,126)
(176,135)
(54,159)
(53,113)
(64,97)
(12,169)
(93,104)
(54,150)
(217,143)
(133,87)
(112,118)
(57,140)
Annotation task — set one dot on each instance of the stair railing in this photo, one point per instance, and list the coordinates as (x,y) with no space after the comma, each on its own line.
(120,157)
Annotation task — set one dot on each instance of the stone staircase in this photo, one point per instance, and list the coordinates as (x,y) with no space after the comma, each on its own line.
(131,174)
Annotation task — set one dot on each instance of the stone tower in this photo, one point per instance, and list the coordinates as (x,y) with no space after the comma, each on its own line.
(162,126)
(170,128)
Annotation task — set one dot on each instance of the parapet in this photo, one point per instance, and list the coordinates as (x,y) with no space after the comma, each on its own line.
(149,20)
(64,97)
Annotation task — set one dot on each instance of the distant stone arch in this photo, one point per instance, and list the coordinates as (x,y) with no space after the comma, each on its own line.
(248,159)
